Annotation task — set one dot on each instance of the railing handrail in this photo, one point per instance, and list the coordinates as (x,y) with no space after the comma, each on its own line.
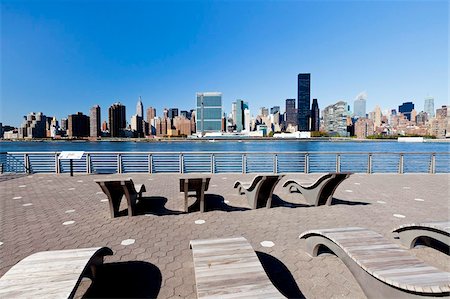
(235,152)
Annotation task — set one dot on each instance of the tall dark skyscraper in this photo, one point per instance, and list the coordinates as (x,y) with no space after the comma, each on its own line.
(117,119)
(304,99)
(315,120)
(173,112)
(78,125)
(291,112)
(406,109)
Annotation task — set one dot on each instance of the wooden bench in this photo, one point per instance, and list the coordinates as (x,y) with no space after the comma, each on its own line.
(321,191)
(116,189)
(382,269)
(51,274)
(229,268)
(259,192)
(410,235)
(197,185)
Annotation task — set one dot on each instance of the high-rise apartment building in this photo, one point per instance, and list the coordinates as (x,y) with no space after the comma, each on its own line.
(303,101)
(377,116)
(359,106)
(95,121)
(315,116)
(429,106)
(140,108)
(263,111)
(406,109)
(364,127)
(78,125)
(137,125)
(33,126)
(63,124)
(117,119)
(209,111)
(151,114)
(335,118)
(291,112)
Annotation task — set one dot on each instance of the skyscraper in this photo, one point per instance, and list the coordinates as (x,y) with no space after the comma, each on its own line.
(274,109)
(78,125)
(117,119)
(315,113)
(173,112)
(239,115)
(304,99)
(140,108)
(209,111)
(359,106)
(406,109)
(429,106)
(95,121)
(291,112)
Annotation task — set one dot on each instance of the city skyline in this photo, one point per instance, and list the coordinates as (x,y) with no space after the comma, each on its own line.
(54,63)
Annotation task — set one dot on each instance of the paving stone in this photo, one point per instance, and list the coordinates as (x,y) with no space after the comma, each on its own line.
(162,239)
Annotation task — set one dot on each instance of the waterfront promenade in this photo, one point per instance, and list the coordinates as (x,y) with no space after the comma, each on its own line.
(55,211)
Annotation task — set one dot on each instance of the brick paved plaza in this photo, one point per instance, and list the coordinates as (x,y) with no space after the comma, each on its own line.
(55,211)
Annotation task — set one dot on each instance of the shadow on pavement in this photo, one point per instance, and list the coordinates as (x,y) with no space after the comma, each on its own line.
(337,201)
(155,205)
(134,279)
(280,275)
(215,202)
(278,202)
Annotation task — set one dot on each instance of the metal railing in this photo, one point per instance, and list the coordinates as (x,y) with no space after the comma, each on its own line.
(228,162)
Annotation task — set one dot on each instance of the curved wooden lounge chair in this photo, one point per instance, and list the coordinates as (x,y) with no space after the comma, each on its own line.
(321,191)
(382,269)
(51,274)
(411,234)
(229,268)
(116,189)
(259,191)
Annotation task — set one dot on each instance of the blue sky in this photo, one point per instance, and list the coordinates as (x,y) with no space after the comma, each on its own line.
(60,57)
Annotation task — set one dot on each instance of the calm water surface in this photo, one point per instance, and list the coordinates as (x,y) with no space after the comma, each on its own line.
(237,146)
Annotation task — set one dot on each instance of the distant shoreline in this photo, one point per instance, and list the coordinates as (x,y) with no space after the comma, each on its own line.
(259,139)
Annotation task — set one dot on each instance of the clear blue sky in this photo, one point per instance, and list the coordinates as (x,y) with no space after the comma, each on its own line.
(60,57)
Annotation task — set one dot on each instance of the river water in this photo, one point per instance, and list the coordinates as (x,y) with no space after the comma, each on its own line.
(225,146)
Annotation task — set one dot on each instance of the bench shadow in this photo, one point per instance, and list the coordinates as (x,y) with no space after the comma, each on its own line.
(280,275)
(134,279)
(154,205)
(11,176)
(278,202)
(337,201)
(215,202)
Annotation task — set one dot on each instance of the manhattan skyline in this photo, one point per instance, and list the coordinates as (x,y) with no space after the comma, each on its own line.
(60,58)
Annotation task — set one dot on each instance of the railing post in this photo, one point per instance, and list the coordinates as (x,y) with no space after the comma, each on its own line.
(88,163)
(26,160)
(244,163)
(119,163)
(400,166)
(150,163)
(181,163)
(433,163)
(57,169)
(369,164)
(213,163)
(306,163)
(338,163)
(275,164)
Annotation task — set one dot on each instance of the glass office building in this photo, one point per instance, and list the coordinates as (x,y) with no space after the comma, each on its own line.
(304,101)
(209,112)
